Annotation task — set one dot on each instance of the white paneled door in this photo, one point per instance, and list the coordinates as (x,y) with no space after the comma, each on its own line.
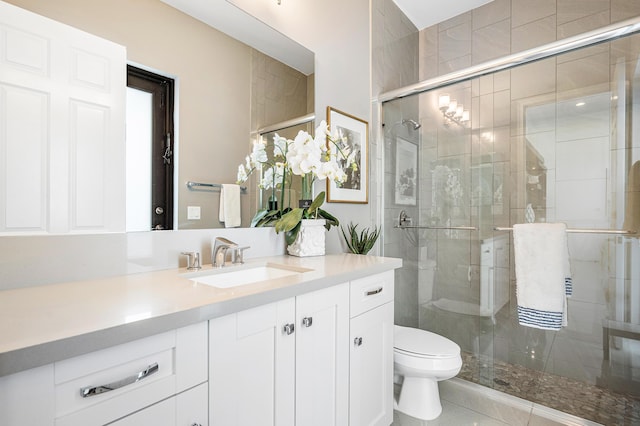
(62,106)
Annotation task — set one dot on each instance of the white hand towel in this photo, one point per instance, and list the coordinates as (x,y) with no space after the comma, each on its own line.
(230,205)
(542,274)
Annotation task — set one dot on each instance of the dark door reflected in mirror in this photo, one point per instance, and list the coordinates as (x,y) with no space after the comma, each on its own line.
(150,150)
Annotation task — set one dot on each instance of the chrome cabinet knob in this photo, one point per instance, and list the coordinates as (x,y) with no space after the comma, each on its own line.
(357,341)
(307,321)
(289,329)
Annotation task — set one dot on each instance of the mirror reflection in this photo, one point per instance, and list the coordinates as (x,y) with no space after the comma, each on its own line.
(225,90)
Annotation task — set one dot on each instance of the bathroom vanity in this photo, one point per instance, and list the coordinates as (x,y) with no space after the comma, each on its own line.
(314,346)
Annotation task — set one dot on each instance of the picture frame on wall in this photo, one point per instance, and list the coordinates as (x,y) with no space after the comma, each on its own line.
(406,181)
(356,133)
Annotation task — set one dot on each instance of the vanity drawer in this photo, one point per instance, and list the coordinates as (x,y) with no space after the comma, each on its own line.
(370,292)
(140,373)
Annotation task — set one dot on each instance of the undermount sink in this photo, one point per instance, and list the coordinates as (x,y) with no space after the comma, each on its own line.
(222,278)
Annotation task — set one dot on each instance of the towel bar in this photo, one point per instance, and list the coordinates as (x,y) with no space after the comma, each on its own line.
(191,185)
(583,231)
(454,228)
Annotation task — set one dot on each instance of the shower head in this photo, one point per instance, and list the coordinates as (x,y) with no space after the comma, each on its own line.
(414,125)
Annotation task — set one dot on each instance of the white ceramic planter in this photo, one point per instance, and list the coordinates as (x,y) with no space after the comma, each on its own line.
(310,239)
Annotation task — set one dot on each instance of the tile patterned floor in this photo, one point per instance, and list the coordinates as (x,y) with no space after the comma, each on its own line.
(568,395)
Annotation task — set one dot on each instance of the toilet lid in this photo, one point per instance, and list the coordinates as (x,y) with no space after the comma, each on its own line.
(424,343)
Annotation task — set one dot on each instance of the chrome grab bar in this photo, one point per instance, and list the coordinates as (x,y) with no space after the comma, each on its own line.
(404,222)
(97,390)
(457,228)
(191,185)
(583,231)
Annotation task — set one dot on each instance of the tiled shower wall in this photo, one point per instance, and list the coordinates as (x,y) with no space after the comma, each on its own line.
(494,30)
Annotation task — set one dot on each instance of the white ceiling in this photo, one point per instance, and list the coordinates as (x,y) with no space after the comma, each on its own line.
(424,13)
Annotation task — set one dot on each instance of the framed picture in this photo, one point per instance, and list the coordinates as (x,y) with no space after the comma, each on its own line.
(406,185)
(356,133)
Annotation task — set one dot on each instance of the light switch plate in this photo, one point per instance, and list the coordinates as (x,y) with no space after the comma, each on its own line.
(193,212)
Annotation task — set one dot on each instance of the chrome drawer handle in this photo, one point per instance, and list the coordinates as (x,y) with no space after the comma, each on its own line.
(372,292)
(96,390)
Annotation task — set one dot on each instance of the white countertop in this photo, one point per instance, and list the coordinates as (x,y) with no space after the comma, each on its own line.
(40,325)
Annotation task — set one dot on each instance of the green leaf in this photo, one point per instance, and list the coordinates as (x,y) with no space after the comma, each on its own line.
(330,219)
(317,202)
(260,214)
(291,235)
(360,243)
(289,220)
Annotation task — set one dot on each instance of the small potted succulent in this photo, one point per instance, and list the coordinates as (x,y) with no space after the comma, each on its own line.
(360,243)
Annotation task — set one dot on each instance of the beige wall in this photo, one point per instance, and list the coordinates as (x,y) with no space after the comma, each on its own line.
(213,73)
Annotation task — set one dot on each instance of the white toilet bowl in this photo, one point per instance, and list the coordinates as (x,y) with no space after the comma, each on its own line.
(420,360)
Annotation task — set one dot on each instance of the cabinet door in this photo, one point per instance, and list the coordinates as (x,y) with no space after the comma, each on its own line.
(192,408)
(186,409)
(28,397)
(371,369)
(322,357)
(252,367)
(160,414)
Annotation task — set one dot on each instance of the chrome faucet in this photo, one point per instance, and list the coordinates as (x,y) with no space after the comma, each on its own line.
(219,251)
(193,260)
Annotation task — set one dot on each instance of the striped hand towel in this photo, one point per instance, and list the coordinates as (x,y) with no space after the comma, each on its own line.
(543,278)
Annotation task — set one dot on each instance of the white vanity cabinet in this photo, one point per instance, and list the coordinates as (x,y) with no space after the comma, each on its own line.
(283,363)
(371,360)
(110,384)
(186,409)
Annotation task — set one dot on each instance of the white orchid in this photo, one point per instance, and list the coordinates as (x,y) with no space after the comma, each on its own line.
(242,174)
(273,176)
(323,156)
(259,154)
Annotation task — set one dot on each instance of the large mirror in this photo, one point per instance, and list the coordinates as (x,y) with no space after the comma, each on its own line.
(226,89)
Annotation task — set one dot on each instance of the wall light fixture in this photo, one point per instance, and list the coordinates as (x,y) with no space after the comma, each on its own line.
(452,111)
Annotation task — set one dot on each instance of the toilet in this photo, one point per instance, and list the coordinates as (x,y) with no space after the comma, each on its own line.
(420,360)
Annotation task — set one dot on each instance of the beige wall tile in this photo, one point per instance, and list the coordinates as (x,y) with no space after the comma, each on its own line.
(624,9)
(502,80)
(527,11)
(455,21)
(533,34)
(578,26)
(491,42)
(502,108)
(491,13)
(454,65)
(455,42)
(573,10)
(573,79)
(533,79)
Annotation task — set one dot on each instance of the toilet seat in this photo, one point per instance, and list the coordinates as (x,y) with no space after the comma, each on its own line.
(423,344)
